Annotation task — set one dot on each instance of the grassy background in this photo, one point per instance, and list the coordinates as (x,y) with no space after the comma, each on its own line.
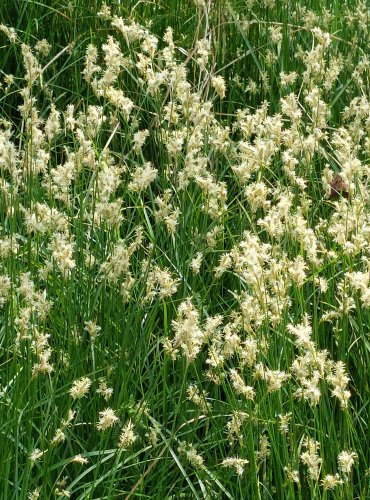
(129,353)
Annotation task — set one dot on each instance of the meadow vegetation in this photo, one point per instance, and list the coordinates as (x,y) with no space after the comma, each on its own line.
(184,249)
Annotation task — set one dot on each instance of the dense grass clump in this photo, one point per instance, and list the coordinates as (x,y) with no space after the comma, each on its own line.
(184,249)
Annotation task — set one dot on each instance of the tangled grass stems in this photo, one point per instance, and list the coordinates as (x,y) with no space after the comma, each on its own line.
(184,250)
